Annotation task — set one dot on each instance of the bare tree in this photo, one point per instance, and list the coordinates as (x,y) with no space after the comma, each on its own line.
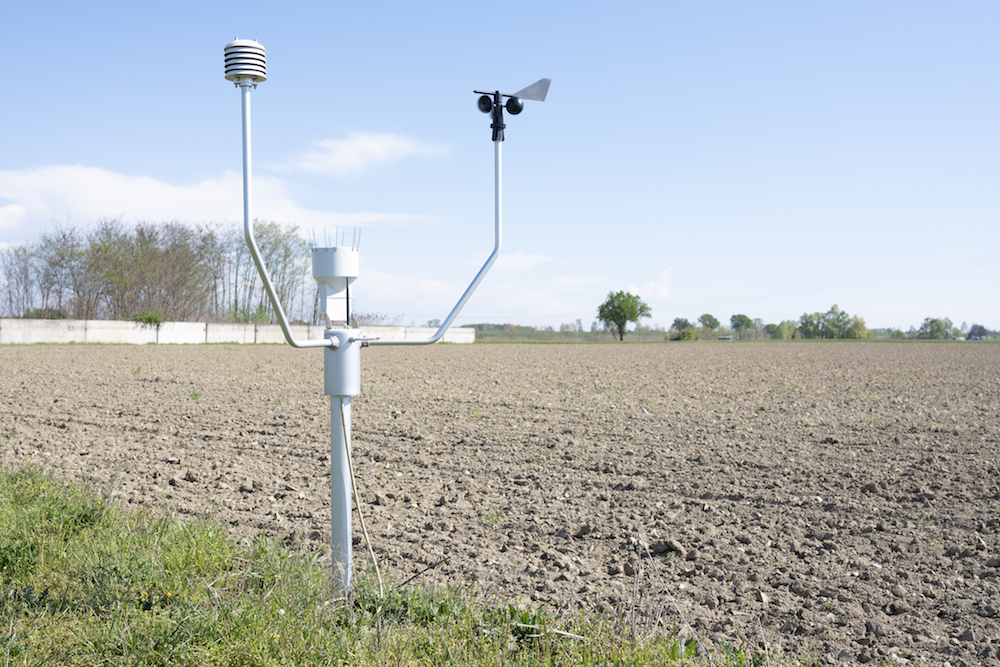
(17,266)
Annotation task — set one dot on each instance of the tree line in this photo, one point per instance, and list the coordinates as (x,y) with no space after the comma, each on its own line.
(834,324)
(156,272)
(621,308)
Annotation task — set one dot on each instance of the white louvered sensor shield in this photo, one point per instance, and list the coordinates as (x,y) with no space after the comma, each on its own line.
(246,59)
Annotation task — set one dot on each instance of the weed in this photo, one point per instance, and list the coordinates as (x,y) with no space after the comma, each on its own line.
(477,415)
(194,395)
(490,517)
(6,437)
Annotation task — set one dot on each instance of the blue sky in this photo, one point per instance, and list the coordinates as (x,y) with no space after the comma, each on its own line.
(765,158)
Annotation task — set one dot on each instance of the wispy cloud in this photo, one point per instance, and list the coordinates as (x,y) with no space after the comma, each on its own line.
(361,151)
(521,261)
(32,198)
(654,289)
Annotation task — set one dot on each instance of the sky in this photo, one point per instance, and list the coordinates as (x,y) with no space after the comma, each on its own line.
(767,159)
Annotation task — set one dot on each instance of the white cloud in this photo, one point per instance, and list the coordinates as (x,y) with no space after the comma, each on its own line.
(654,289)
(521,261)
(362,150)
(380,292)
(86,194)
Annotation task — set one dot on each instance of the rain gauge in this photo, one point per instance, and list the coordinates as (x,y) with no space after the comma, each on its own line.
(335,268)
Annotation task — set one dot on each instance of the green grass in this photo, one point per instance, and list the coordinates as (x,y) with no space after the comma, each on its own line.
(86,582)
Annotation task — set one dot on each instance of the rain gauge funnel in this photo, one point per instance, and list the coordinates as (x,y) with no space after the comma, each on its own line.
(335,270)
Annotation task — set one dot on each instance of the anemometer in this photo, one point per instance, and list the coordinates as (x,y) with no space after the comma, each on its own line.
(335,269)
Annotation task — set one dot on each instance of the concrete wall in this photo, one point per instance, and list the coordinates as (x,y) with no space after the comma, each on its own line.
(20,332)
(181,333)
(271,333)
(13,332)
(229,333)
(112,331)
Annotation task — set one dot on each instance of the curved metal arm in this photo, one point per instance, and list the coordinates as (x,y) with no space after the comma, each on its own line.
(498,228)
(245,85)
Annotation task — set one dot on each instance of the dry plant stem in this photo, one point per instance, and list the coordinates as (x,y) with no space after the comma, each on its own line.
(635,596)
(764,639)
(568,635)
(645,545)
(357,500)
(429,567)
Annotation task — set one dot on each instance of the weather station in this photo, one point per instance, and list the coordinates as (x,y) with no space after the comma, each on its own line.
(335,268)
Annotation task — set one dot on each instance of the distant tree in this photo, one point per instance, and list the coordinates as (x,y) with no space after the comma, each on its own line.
(680,324)
(771,330)
(758,327)
(786,330)
(810,326)
(977,332)
(619,309)
(17,268)
(741,324)
(857,330)
(684,334)
(709,322)
(833,324)
(937,329)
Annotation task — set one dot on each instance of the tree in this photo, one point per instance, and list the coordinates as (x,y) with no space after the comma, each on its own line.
(684,334)
(786,330)
(680,324)
(619,309)
(857,330)
(810,325)
(740,323)
(709,322)
(977,332)
(937,329)
(833,324)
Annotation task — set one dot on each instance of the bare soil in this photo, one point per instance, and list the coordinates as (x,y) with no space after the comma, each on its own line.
(838,498)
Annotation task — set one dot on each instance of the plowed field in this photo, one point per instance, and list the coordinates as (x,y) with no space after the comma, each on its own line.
(842,497)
